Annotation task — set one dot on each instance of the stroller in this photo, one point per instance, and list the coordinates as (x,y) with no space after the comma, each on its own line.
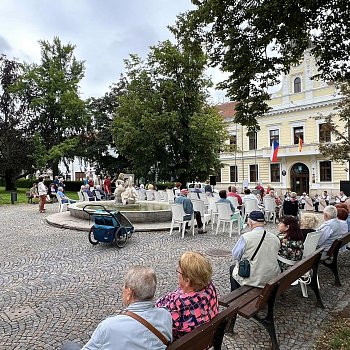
(109,227)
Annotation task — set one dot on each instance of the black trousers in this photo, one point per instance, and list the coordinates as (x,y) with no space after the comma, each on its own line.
(197,216)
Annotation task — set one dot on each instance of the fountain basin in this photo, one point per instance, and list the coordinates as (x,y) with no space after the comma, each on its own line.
(140,212)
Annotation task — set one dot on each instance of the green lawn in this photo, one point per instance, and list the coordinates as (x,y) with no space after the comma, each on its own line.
(5,196)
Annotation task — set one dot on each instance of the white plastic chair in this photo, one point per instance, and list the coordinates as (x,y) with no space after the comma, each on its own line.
(234,201)
(61,205)
(198,205)
(171,196)
(270,208)
(165,196)
(225,216)
(310,245)
(204,198)
(213,210)
(98,195)
(141,194)
(178,215)
(157,196)
(193,196)
(150,195)
(81,197)
(87,198)
(250,205)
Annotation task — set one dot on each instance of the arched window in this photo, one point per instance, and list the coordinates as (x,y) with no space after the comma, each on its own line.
(297,85)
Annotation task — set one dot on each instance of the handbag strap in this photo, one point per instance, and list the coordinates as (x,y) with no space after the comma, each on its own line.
(149,326)
(262,238)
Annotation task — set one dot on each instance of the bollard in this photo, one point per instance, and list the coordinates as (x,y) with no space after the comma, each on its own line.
(13,197)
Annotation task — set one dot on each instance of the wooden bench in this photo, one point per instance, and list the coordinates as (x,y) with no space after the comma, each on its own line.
(332,256)
(249,301)
(206,335)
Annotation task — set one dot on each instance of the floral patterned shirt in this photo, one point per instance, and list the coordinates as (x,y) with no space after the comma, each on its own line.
(189,310)
(291,250)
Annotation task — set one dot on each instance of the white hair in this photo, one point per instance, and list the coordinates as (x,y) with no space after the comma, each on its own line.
(142,281)
(60,188)
(330,211)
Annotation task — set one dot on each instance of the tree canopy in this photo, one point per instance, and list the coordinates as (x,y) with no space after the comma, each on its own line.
(256,41)
(339,151)
(52,89)
(16,145)
(163,123)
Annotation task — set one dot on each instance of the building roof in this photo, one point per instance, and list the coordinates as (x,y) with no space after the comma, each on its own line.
(227,110)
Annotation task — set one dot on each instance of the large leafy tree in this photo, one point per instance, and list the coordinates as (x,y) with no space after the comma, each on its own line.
(16,145)
(99,146)
(163,124)
(338,123)
(52,89)
(255,41)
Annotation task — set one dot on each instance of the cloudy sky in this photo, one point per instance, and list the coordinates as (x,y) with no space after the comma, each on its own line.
(104,31)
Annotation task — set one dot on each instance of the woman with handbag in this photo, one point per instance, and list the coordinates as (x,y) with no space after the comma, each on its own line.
(255,255)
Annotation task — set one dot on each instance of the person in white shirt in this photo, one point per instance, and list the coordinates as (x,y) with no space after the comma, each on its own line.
(249,195)
(341,198)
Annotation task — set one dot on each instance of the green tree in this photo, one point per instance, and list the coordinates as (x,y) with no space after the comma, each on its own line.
(163,124)
(256,41)
(16,144)
(52,89)
(338,123)
(99,146)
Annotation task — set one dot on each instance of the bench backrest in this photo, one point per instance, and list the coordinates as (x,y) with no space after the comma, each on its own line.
(283,281)
(338,243)
(206,335)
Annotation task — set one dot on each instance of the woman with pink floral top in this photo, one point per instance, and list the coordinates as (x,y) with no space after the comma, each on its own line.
(195,302)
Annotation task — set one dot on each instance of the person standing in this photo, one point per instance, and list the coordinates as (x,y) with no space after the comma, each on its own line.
(42,190)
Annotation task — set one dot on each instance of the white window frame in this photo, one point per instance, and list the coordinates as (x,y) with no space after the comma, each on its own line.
(270,179)
(257,175)
(318,175)
(318,123)
(295,125)
(301,84)
(268,134)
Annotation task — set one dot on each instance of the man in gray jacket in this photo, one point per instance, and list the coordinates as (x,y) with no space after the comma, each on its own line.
(264,266)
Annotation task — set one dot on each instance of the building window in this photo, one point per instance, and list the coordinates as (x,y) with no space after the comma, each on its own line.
(218,176)
(326,171)
(297,85)
(253,173)
(324,133)
(275,173)
(233,173)
(274,136)
(298,132)
(233,140)
(252,140)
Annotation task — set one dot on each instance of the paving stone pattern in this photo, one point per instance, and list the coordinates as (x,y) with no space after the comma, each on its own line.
(55,286)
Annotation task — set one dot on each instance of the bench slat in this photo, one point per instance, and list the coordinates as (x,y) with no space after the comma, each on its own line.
(228,298)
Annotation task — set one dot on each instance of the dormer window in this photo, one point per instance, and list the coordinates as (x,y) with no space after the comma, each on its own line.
(297,85)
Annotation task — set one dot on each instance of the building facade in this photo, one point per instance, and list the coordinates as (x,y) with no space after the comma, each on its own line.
(297,113)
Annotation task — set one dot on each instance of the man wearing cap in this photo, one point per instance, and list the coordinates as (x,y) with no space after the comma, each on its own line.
(264,266)
(188,209)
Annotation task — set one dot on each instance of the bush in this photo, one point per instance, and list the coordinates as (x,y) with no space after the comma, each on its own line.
(164,185)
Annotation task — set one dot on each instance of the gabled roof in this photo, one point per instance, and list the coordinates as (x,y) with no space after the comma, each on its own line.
(227,110)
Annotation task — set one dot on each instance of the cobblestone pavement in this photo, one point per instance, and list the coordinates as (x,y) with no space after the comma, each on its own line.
(55,286)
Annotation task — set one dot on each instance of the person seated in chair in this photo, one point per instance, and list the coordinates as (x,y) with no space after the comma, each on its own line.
(123,331)
(195,302)
(291,206)
(223,199)
(249,195)
(88,192)
(64,198)
(34,194)
(264,266)
(188,209)
(98,189)
(330,229)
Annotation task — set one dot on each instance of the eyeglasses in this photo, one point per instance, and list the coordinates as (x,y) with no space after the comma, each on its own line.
(179,272)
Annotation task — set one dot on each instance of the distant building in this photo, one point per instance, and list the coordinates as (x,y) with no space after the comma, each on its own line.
(291,118)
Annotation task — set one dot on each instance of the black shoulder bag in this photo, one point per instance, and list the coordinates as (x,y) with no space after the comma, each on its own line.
(244,265)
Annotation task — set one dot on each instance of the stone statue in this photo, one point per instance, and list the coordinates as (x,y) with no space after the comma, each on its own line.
(119,188)
(124,192)
(129,195)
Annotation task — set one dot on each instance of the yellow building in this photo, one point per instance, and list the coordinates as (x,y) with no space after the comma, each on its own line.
(293,115)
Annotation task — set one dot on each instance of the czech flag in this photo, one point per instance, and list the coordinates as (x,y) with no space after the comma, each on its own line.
(274,150)
(300,144)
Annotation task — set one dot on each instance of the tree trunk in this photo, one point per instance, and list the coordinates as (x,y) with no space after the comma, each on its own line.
(10,180)
(55,171)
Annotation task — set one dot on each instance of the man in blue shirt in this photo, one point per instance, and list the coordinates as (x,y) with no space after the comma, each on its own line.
(188,209)
(63,197)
